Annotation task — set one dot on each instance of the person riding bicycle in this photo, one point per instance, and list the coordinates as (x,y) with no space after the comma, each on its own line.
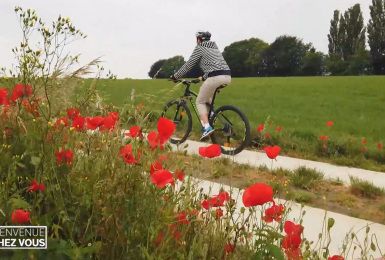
(216,73)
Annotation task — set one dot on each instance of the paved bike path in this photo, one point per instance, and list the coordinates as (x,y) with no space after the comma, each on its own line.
(330,171)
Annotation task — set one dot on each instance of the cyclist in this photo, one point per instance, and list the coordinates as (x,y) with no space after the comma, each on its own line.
(207,56)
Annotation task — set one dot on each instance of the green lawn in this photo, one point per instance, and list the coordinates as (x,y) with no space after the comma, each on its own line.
(301,105)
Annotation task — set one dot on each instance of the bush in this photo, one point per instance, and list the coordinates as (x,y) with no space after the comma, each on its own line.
(305,178)
(365,189)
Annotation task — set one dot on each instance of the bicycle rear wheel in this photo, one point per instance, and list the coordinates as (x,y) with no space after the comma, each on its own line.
(232,129)
(178,112)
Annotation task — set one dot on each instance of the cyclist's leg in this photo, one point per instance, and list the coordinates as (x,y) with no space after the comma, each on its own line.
(206,93)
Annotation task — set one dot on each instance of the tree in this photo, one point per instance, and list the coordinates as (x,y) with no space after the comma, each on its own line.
(313,63)
(334,36)
(353,39)
(171,65)
(245,57)
(376,35)
(155,68)
(285,56)
(359,63)
(347,42)
(166,67)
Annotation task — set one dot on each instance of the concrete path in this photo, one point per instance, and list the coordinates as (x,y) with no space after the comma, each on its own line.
(313,221)
(330,171)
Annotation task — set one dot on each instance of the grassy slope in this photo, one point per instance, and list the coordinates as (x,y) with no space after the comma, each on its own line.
(355,104)
(302,105)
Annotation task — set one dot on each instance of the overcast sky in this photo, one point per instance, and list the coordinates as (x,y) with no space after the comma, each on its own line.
(133,34)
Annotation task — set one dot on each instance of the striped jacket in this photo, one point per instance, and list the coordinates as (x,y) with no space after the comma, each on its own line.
(207,55)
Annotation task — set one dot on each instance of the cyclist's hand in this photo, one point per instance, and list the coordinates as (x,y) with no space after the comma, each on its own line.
(200,78)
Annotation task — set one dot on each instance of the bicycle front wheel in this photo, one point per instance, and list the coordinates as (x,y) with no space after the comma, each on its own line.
(232,130)
(178,112)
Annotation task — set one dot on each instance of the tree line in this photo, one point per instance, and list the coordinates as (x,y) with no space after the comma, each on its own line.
(290,56)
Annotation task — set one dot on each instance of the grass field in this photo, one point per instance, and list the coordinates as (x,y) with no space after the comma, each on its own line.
(301,105)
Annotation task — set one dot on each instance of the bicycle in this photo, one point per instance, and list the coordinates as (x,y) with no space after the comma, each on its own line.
(231,126)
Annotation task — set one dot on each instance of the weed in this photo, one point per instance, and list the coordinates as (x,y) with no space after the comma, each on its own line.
(365,189)
(305,178)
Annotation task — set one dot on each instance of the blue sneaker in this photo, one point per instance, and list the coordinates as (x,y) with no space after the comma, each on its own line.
(206,132)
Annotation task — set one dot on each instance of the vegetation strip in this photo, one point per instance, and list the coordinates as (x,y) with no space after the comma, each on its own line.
(306,186)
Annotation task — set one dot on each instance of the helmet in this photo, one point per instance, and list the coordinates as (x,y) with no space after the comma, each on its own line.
(205,36)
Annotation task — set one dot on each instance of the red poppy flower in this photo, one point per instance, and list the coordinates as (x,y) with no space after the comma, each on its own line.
(166,128)
(156,166)
(292,241)
(162,157)
(329,123)
(210,151)
(364,149)
(229,248)
(73,113)
(153,140)
(127,155)
(21,91)
(4,97)
(274,213)
(257,194)
(278,129)
(161,178)
(109,122)
(78,123)
(336,257)
(20,216)
(64,156)
(293,254)
(114,115)
(218,213)
(216,201)
(292,228)
(177,234)
(135,131)
(62,121)
(260,128)
(31,106)
(272,151)
(94,122)
(179,174)
(182,218)
(379,146)
(324,138)
(364,141)
(159,238)
(35,186)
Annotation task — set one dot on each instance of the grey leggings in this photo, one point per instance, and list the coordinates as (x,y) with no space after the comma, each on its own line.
(207,90)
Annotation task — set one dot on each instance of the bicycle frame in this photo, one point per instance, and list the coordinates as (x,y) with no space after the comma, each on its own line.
(189,95)
(225,127)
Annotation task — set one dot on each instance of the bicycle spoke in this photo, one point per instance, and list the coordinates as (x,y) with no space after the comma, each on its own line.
(176,112)
(231,130)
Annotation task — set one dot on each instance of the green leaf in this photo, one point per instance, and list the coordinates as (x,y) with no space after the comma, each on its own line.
(276,252)
(273,251)
(20,165)
(35,161)
(18,203)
